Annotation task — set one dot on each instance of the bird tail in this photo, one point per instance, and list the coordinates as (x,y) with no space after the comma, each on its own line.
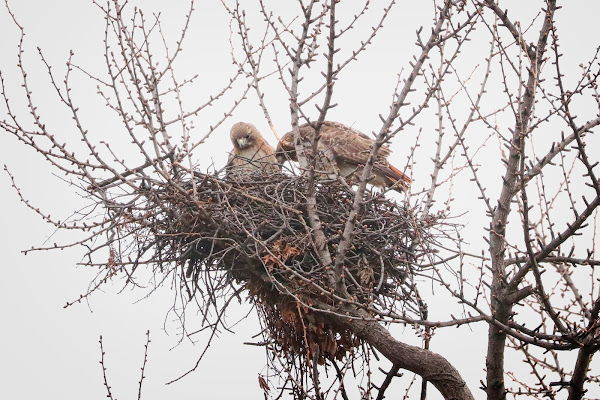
(398,178)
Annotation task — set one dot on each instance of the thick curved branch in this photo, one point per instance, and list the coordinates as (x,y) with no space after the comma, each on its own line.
(431,366)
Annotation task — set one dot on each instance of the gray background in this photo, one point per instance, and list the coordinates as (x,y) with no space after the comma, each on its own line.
(50,352)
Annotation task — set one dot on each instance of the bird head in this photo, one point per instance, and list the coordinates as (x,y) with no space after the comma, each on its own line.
(285,149)
(243,135)
(281,158)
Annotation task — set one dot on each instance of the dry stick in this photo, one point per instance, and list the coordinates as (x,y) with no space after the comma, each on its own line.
(364,44)
(179,42)
(556,259)
(580,371)
(69,103)
(589,347)
(387,381)
(213,334)
(393,317)
(123,175)
(363,317)
(336,278)
(431,366)
(176,89)
(144,364)
(120,107)
(47,217)
(226,115)
(560,238)
(534,364)
(372,311)
(460,136)
(311,201)
(500,306)
(557,148)
(340,376)
(532,261)
(102,353)
(527,239)
(28,138)
(437,164)
(254,65)
(525,335)
(369,330)
(152,82)
(349,228)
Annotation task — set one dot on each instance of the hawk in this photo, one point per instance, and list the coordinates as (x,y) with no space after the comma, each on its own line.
(344,151)
(250,151)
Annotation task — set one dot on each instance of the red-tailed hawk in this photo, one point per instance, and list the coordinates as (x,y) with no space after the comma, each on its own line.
(345,151)
(250,151)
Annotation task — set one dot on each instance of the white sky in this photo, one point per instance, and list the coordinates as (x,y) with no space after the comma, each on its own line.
(50,352)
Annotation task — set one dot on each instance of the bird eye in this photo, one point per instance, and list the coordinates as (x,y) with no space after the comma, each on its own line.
(247,136)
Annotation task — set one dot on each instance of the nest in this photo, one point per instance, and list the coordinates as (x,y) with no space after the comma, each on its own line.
(254,230)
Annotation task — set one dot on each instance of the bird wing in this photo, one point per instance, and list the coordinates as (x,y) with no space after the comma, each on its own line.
(349,145)
(263,150)
(350,149)
(345,142)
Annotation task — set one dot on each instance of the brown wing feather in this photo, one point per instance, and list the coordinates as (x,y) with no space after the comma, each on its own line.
(349,144)
(351,149)
(333,136)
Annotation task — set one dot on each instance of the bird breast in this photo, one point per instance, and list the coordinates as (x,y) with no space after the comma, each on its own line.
(251,153)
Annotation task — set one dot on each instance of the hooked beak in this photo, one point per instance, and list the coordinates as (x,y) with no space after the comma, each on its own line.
(242,142)
(281,158)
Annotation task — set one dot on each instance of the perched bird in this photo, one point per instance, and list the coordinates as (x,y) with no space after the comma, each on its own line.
(344,151)
(250,151)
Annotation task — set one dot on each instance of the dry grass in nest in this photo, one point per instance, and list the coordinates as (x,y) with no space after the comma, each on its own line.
(254,231)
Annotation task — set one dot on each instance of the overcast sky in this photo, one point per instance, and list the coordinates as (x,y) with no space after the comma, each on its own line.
(50,352)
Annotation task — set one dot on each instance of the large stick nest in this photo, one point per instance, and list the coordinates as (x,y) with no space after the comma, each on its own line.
(254,229)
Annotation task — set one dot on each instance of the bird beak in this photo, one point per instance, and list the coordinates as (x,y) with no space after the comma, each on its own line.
(242,142)
(281,158)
